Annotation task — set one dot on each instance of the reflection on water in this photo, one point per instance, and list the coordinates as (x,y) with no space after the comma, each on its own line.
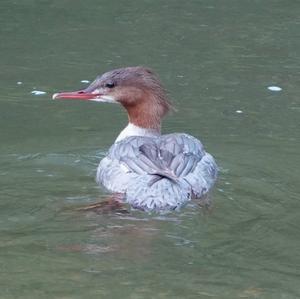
(217,60)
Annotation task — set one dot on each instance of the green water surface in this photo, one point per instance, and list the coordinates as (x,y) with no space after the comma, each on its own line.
(217,59)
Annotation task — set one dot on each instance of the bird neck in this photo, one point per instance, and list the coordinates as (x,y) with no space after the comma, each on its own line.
(133,130)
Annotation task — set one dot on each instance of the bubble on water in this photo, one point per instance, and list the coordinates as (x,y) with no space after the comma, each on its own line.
(239,111)
(85,81)
(19,82)
(38,92)
(274,88)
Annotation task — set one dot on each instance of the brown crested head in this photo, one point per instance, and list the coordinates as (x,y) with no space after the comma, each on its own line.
(138,89)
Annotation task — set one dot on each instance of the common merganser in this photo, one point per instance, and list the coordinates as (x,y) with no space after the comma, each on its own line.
(154,172)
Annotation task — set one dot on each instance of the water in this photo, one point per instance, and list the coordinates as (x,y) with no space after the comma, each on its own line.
(217,59)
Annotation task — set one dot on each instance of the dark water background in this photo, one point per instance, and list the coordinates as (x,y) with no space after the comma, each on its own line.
(215,58)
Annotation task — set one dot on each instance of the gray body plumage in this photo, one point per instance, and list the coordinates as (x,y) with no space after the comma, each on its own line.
(158,173)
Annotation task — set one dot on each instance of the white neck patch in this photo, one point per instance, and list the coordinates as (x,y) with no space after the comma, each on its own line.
(133,130)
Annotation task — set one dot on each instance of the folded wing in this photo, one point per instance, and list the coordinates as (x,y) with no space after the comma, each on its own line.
(157,173)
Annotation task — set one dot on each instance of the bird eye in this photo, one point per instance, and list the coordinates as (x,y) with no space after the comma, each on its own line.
(110,85)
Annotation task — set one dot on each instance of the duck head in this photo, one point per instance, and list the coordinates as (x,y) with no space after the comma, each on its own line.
(137,89)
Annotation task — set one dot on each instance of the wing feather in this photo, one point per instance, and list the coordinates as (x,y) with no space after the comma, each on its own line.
(156,172)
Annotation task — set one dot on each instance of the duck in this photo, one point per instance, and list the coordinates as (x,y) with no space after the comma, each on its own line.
(152,171)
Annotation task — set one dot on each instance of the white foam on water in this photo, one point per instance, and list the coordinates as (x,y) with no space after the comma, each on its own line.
(38,92)
(274,88)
